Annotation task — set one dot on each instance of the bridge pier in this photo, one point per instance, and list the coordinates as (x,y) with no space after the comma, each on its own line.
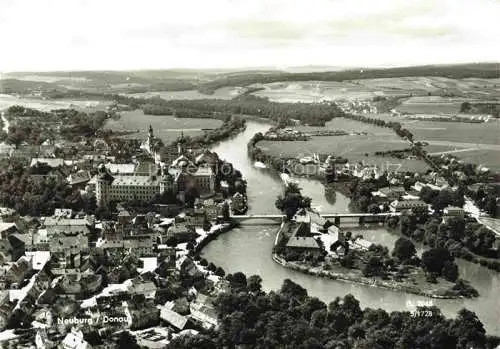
(337,221)
(361,220)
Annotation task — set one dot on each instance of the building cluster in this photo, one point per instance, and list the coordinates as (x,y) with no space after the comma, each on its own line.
(357,106)
(70,274)
(141,179)
(311,234)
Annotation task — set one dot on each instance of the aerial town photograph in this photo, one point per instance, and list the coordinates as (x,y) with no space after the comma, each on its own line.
(266,174)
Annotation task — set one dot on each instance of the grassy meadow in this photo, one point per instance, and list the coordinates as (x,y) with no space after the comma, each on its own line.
(166,127)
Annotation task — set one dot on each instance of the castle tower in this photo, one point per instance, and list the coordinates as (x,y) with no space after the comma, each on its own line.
(103,187)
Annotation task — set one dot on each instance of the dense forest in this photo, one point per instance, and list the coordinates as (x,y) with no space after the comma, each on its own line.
(290,319)
(38,190)
(34,126)
(311,114)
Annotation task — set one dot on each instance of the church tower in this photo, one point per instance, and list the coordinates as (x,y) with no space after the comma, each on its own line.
(150,139)
(180,144)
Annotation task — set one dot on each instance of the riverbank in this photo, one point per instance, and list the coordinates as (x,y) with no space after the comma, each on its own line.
(351,278)
(212,234)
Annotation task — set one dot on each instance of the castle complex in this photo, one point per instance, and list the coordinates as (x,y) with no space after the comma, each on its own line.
(124,182)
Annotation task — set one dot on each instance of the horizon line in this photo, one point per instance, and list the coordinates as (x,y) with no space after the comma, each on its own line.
(270,67)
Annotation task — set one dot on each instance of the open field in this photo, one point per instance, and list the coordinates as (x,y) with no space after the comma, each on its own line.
(47,105)
(353,148)
(432,104)
(315,91)
(221,93)
(481,133)
(165,127)
(349,126)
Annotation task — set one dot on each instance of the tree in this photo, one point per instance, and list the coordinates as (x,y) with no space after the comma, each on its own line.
(404,249)
(349,259)
(254,283)
(190,195)
(190,246)
(225,211)
(171,241)
(220,272)
(465,107)
(450,271)
(292,200)
(200,341)
(468,329)
(435,258)
(206,224)
(373,267)
(373,208)
(292,290)
(211,267)
(127,341)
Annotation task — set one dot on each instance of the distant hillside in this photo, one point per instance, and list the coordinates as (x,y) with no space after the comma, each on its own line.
(209,80)
(13,86)
(460,71)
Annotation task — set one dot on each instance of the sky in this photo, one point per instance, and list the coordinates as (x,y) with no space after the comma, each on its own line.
(44,35)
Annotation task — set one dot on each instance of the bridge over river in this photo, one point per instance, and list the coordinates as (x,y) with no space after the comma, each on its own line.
(276,219)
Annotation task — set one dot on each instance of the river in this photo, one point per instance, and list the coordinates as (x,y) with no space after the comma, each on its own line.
(248,249)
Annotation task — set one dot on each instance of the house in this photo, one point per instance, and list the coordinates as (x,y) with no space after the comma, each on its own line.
(453,211)
(202,310)
(238,203)
(413,205)
(418,186)
(40,240)
(85,224)
(175,319)
(304,244)
(210,207)
(206,158)
(168,256)
(98,158)
(79,178)
(361,244)
(42,340)
(195,217)
(146,315)
(168,210)
(146,288)
(302,229)
(221,286)
(19,243)
(187,266)
(7,214)
(181,232)
(51,162)
(74,340)
(7,229)
(154,338)
(393,193)
(5,314)
(121,169)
